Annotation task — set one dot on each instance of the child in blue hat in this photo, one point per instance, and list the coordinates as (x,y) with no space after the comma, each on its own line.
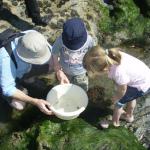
(68,52)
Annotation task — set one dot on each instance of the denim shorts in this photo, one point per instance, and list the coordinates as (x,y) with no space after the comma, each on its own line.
(131,94)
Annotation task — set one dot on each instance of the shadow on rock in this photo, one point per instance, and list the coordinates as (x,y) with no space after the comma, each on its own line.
(6,110)
(14,20)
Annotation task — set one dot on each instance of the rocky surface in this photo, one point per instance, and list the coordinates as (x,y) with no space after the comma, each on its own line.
(119,23)
(59,10)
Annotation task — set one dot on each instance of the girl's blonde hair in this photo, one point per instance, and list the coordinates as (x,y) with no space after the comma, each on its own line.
(97,59)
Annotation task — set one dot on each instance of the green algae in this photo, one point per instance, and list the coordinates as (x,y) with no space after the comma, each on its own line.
(76,134)
(104,18)
(22,140)
(125,16)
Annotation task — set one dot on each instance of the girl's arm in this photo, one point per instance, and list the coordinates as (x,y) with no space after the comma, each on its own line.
(120,92)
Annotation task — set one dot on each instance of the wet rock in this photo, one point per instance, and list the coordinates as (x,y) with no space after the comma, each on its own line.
(61,2)
(14,3)
(142,121)
(48,11)
(53,23)
(60,23)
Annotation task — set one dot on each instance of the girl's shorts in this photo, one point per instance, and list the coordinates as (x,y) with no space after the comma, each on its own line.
(131,94)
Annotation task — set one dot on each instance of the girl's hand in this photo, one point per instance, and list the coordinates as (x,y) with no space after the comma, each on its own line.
(62,77)
(114,99)
(44,106)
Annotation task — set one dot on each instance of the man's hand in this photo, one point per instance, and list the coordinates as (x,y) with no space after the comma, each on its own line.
(44,106)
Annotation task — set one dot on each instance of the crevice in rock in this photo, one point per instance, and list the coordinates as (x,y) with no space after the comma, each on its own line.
(62,2)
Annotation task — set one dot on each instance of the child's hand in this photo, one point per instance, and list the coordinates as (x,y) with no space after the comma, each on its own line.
(64,80)
(62,77)
(114,99)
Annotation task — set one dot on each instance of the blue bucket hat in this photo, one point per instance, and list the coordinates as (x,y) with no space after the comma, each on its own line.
(74,33)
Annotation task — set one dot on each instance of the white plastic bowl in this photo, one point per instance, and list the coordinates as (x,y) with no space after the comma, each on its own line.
(67,101)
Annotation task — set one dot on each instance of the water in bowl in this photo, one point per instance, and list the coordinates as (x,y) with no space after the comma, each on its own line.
(66,104)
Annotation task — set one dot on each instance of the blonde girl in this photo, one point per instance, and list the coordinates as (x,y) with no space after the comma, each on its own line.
(130,74)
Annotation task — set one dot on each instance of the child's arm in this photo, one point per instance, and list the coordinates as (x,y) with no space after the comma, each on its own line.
(120,92)
(57,66)
(59,72)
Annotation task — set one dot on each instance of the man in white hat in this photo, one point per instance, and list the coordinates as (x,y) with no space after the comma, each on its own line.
(30,49)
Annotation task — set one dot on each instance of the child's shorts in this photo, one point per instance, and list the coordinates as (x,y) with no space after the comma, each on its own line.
(131,94)
(80,80)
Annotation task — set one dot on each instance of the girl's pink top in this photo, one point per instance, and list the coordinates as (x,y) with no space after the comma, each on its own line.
(131,72)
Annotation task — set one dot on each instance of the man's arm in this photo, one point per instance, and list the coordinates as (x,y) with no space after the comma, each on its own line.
(43,105)
(8,85)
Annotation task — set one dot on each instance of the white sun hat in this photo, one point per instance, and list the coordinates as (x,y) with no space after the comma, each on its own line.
(67,101)
(33,48)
